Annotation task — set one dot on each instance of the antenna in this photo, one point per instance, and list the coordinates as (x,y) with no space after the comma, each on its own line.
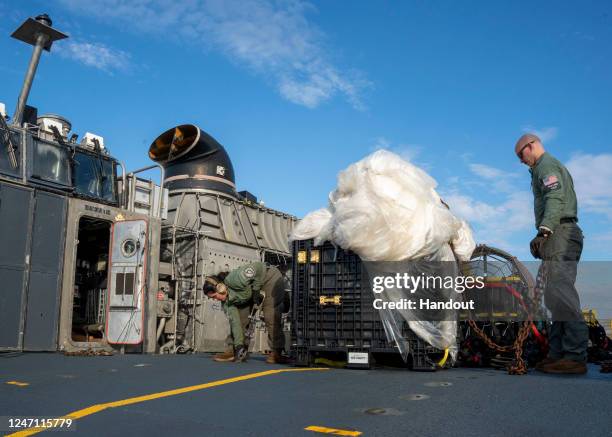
(38,33)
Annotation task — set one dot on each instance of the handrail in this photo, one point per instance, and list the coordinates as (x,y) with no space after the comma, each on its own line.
(123,200)
(161,184)
(10,148)
(161,169)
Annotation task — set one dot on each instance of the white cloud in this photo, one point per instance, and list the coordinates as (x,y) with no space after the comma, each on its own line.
(381,143)
(409,152)
(271,38)
(494,179)
(486,172)
(514,213)
(495,224)
(592,175)
(546,134)
(95,55)
(470,209)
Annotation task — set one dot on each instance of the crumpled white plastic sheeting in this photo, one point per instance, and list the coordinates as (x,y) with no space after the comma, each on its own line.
(312,226)
(441,334)
(387,209)
(463,243)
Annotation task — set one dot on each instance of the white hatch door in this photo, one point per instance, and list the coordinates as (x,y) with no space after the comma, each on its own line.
(128,252)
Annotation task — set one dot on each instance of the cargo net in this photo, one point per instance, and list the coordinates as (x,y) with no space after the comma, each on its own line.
(506,327)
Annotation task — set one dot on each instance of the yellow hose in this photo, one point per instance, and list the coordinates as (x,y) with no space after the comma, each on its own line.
(444,358)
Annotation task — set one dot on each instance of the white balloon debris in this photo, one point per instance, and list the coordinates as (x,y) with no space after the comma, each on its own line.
(387,209)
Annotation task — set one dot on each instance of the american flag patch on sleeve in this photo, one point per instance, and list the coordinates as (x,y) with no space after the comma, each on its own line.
(551,182)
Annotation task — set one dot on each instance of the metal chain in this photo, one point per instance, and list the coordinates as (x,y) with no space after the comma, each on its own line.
(89,353)
(518,366)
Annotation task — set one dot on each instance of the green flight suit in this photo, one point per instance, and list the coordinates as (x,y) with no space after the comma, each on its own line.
(553,193)
(555,208)
(245,281)
(241,283)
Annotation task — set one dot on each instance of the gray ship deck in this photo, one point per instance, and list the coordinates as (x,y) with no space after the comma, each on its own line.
(106,392)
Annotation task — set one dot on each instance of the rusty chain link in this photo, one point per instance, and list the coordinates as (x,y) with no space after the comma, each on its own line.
(89,353)
(518,366)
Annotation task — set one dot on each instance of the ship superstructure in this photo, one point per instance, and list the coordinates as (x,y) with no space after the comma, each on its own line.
(97,258)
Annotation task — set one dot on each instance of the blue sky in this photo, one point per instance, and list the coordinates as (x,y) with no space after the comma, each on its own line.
(296,91)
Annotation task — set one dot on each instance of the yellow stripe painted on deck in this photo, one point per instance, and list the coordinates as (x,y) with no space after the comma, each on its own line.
(333,431)
(17,383)
(164,394)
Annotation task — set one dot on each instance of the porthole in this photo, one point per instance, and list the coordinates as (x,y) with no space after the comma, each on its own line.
(128,247)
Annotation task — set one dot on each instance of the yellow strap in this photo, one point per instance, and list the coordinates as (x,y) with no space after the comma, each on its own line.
(333,431)
(444,358)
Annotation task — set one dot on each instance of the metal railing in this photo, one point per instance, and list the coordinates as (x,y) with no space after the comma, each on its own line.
(7,141)
(156,196)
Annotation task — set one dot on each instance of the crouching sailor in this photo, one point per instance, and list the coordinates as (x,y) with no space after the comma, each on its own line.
(215,288)
(253,283)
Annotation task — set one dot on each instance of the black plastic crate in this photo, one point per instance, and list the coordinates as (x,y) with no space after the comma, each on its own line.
(332,311)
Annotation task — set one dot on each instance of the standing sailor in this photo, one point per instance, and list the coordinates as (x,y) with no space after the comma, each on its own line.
(559,245)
